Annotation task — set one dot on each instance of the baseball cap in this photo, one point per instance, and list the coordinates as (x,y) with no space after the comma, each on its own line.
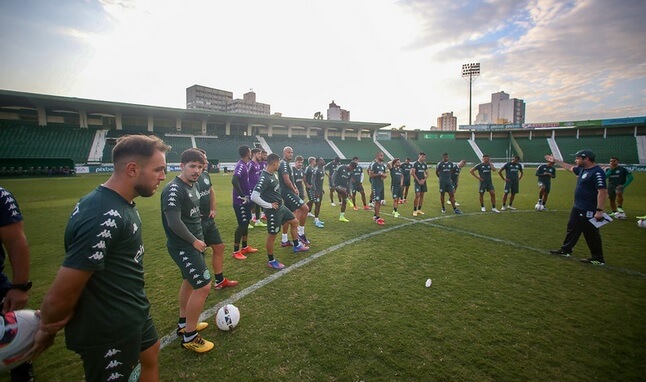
(585,154)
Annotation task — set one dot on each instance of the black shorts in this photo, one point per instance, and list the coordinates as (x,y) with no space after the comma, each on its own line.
(192,266)
(511,187)
(357,187)
(211,232)
(397,191)
(420,187)
(377,192)
(276,218)
(486,186)
(446,186)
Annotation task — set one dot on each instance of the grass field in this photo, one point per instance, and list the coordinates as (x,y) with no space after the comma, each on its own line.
(355,307)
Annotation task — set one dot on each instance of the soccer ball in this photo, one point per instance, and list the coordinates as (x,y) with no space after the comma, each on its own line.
(641,223)
(227,317)
(17,332)
(539,207)
(620,216)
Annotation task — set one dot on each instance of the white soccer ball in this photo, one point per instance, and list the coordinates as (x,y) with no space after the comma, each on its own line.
(227,317)
(17,332)
(641,223)
(620,216)
(538,207)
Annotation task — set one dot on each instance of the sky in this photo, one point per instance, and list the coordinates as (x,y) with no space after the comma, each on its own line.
(396,62)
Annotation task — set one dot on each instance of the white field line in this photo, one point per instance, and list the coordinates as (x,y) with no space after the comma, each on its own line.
(171,337)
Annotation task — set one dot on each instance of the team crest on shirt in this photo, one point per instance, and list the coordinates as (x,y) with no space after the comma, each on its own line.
(585,175)
(206,181)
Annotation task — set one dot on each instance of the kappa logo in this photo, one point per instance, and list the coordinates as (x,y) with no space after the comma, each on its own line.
(184,258)
(188,265)
(112,352)
(113,213)
(181,253)
(171,204)
(191,270)
(112,364)
(195,276)
(13,207)
(115,376)
(96,256)
(9,200)
(135,228)
(140,253)
(15,213)
(100,245)
(4,193)
(105,234)
(171,199)
(172,194)
(109,223)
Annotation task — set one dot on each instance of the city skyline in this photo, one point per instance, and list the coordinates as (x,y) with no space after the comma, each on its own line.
(384,61)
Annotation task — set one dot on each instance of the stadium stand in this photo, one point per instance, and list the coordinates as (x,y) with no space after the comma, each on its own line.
(223,148)
(622,146)
(178,145)
(365,149)
(458,149)
(400,148)
(498,149)
(534,150)
(316,147)
(26,141)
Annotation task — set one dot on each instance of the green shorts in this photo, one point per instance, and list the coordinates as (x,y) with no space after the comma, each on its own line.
(486,186)
(192,265)
(547,185)
(511,187)
(116,360)
(276,219)
(211,232)
(446,186)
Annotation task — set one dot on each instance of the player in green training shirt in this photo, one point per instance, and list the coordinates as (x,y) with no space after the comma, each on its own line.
(545,174)
(342,181)
(619,178)
(444,171)
(396,185)
(485,168)
(180,206)
(419,173)
(267,194)
(513,175)
(98,294)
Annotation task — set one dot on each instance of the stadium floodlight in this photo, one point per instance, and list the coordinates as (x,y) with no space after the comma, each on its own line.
(470,71)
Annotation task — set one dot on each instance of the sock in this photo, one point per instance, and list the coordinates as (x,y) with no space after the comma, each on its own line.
(342,214)
(301,230)
(219,277)
(181,323)
(284,238)
(270,257)
(188,337)
(236,247)
(395,209)
(244,244)
(295,243)
(481,205)
(316,220)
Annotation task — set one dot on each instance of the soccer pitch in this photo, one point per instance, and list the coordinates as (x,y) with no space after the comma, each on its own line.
(355,308)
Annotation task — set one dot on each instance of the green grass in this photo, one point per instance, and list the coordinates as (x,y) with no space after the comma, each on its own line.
(500,308)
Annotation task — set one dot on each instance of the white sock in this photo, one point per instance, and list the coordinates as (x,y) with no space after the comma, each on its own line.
(284,238)
(301,230)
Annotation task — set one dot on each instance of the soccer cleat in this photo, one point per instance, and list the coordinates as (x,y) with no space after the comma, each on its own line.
(457,211)
(311,215)
(286,244)
(641,217)
(420,212)
(249,226)
(198,344)
(319,224)
(355,208)
(303,239)
(559,252)
(343,219)
(443,211)
(199,327)
(367,208)
(503,208)
(263,217)
(495,210)
(260,223)
(414,213)
(349,203)
(248,249)
(396,214)
(457,204)
(380,221)
(592,261)
(333,204)
(301,248)
(620,210)
(512,208)
(226,283)
(383,202)
(275,264)
(483,209)
(238,255)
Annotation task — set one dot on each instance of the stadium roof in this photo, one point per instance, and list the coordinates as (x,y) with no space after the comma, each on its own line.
(14,99)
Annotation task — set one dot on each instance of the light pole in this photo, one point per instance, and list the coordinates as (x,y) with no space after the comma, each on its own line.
(470,71)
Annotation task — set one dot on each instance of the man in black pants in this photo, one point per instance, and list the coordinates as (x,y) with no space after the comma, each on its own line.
(589,199)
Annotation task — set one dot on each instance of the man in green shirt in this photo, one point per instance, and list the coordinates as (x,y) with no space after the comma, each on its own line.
(545,173)
(485,168)
(180,206)
(267,194)
(342,180)
(619,178)
(419,173)
(513,174)
(444,171)
(98,293)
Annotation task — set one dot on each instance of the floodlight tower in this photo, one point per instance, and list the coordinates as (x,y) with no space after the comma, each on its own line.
(470,71)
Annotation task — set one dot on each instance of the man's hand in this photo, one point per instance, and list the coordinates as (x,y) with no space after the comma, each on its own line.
(15,299)
(199,245)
